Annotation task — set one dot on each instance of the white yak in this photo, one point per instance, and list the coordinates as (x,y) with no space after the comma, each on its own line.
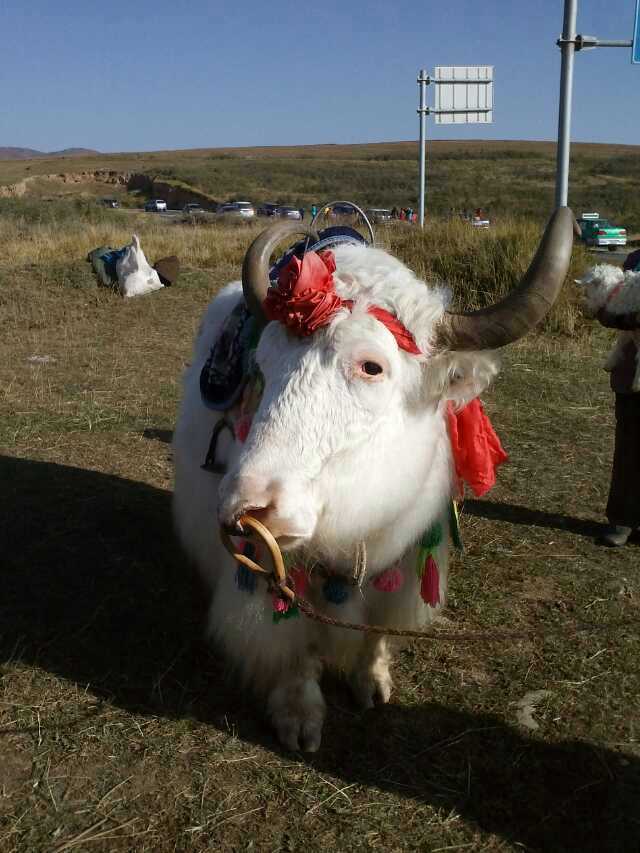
(347,453)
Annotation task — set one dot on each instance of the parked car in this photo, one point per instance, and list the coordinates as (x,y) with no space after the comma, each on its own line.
(288,212)
(237,210)
(597,231)
(193,207)
(110,202)
(341,210)
(378,214)
(155,205)
(267,209)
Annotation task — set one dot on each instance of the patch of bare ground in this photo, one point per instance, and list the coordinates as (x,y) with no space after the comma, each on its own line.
(121,731)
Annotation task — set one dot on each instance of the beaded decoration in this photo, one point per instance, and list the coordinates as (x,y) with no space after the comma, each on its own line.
(389,581)
(336,588)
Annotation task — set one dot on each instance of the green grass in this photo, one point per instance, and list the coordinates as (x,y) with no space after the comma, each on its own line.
(121,731)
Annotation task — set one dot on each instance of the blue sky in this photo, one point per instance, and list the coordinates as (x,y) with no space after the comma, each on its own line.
(160,74)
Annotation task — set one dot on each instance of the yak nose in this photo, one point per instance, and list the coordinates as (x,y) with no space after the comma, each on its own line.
(282,509)
(244,495)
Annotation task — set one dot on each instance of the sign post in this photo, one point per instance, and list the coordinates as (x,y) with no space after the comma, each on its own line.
(464,94)
(423,80)
(570,43)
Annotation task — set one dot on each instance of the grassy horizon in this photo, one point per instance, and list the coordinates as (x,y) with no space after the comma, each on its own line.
(505,178)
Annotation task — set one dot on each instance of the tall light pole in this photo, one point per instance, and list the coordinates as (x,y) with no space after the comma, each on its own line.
(569,43)
(568,47)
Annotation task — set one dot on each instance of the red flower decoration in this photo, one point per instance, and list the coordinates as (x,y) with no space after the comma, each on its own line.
(305,298)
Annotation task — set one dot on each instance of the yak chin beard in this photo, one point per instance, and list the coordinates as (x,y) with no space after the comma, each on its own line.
(339,547)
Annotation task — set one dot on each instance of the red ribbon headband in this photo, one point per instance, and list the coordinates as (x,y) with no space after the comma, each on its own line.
(305,299)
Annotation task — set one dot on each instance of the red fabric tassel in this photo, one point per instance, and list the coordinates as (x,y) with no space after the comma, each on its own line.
(430,584)
(477,451)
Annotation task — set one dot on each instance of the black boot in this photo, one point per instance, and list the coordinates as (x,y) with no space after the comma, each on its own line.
(615,536)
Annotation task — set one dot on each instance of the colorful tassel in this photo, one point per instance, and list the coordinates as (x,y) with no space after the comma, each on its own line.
(432,537)
(290,612)
(426,566)
(245,579)
(390,580)
(430,585)
(283,608)
(299,580)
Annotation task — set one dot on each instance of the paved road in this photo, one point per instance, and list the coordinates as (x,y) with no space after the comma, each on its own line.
(604,256)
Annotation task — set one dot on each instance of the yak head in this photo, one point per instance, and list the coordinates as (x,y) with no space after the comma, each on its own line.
(349,443)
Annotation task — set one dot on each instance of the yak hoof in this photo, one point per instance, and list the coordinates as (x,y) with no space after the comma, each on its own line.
(371,686)
(297,710)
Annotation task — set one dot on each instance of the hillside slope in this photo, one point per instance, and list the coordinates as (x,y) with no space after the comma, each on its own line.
(9,153)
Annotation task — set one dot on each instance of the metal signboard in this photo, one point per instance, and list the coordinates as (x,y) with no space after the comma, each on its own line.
(464,94)
(635,49)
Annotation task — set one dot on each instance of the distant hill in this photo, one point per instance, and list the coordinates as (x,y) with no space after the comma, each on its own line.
(31,153)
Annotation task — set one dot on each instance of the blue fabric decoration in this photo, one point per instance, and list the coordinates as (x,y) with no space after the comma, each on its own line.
(335,590)
(329,238)
(226,370)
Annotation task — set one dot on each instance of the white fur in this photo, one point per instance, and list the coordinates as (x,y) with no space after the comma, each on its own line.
(600,283)
(333,459)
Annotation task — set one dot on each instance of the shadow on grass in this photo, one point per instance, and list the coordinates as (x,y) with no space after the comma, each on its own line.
(94,590)
(514,514)
(163,435)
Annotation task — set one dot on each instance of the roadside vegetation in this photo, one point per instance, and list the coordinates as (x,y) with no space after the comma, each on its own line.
(120,731)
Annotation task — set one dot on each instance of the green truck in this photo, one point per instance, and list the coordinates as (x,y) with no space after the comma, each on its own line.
(596,231)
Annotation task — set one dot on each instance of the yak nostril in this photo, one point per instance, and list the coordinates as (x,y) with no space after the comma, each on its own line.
(233,528)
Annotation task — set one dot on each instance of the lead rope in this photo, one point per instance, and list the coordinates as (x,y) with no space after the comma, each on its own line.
(278,582)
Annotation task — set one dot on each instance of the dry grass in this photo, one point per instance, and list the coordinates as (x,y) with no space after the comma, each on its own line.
(121,732)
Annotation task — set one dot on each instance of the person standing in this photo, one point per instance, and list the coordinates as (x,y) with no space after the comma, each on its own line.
(623,506)
(314,210)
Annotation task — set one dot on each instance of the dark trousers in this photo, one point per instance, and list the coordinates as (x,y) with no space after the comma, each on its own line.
(623,506)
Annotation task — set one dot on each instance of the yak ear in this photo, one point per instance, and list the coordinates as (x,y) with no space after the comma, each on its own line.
(458,376)
(469,374)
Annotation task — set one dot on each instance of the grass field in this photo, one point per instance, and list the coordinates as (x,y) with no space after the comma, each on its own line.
(505,178)
(119,730)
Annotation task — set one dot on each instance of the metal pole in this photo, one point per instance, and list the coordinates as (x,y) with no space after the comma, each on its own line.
(422,111)
(567,45)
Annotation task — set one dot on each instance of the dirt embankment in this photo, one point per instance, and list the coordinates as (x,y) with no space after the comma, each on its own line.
(176,194)
(100,176)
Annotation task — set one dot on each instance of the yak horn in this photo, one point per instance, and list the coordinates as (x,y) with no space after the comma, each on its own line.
(524,307)
(255,268)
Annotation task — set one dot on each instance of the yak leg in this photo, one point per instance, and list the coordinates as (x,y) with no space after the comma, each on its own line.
(277,661)
(296,707)
(370,679)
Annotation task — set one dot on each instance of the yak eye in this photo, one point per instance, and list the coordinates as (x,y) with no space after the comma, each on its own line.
(371,368)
